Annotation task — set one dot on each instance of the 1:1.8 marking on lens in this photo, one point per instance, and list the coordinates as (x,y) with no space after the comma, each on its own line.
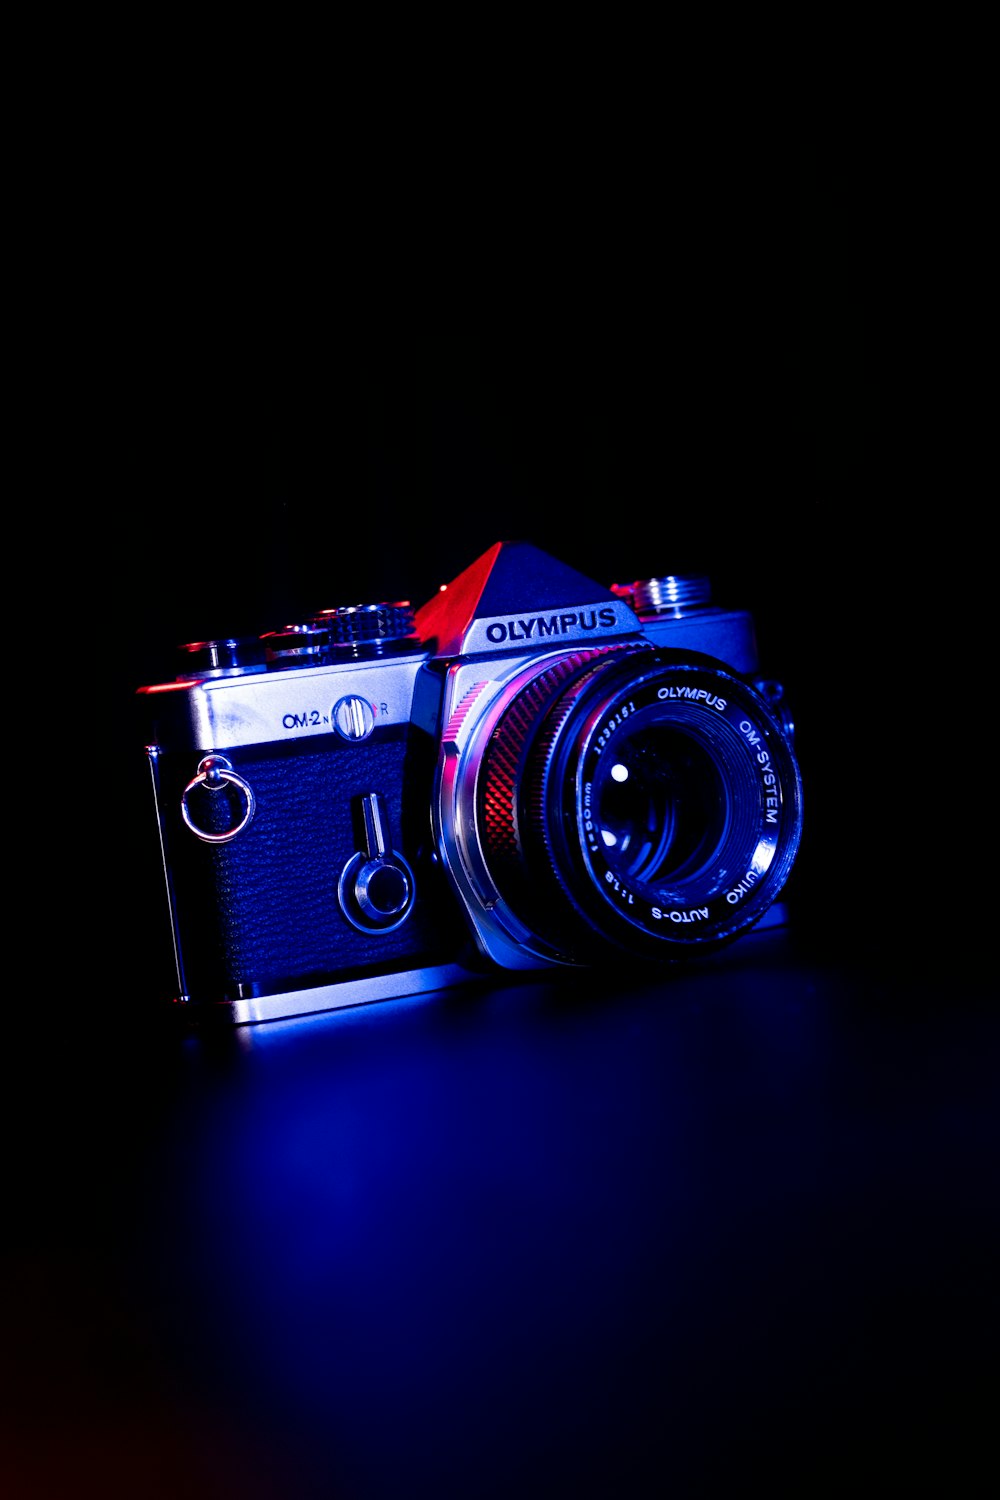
(619,889)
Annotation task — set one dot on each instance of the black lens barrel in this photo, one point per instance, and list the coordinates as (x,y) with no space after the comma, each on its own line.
(639,800)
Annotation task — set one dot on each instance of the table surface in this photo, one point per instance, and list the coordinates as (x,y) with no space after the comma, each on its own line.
(553,1237)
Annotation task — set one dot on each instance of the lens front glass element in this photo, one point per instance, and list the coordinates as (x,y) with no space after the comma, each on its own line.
(685,801)
(663,808)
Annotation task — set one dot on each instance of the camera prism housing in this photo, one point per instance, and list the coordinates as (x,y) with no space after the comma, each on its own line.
(532,771)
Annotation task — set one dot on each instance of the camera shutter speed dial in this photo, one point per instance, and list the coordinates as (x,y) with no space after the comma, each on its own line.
(376,888)
(364,632)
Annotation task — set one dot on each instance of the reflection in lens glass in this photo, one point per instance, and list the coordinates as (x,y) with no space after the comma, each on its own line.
(663,808)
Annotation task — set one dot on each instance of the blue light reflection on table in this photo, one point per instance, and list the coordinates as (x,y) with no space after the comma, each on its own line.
(550,1238)
(511,1221)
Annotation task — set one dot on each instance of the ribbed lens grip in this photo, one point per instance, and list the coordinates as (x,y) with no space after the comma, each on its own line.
(517,757)
(503,767)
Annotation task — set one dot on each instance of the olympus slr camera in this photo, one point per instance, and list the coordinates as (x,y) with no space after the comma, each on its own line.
(531,771)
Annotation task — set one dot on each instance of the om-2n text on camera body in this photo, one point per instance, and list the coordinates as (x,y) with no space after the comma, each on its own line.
(530,771)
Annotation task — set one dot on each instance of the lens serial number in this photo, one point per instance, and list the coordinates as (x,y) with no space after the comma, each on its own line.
(609,727)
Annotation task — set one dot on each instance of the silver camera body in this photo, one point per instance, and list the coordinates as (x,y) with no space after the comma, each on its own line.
(532,771)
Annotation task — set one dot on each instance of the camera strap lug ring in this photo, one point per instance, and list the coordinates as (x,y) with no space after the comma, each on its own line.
(215,772)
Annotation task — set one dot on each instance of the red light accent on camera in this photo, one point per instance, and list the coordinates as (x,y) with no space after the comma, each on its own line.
(458,717)
(446,616)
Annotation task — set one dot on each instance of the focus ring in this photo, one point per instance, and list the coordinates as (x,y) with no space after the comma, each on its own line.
(503,761)
(517,756)
(539,757)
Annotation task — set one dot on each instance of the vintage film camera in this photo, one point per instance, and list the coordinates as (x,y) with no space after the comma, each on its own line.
(531,771)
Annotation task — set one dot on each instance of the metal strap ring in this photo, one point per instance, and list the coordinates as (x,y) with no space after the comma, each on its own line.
(213,772)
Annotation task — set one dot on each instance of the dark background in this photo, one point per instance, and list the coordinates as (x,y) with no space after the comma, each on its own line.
(763,367)
(738,1228)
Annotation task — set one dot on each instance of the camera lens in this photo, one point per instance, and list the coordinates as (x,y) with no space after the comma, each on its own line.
(632,799)
(663,810)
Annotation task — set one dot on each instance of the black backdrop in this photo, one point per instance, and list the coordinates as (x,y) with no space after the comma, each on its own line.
(751,367)
(768,386)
